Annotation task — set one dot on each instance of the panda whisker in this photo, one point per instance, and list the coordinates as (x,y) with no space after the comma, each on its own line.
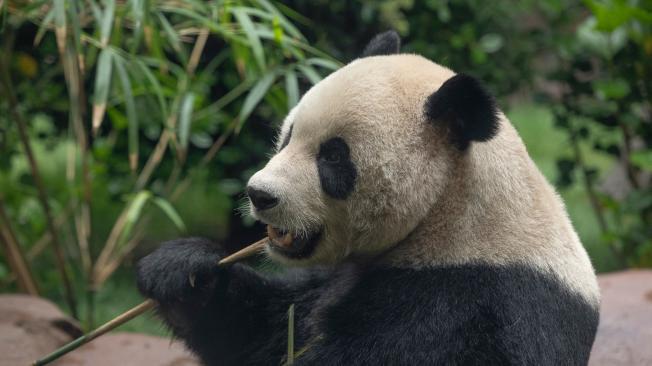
(244,208)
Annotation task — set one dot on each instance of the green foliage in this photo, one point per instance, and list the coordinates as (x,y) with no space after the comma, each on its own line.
(498,42)
(607,76)
(132,108)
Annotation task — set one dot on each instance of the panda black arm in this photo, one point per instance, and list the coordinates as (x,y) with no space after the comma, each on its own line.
(226,316)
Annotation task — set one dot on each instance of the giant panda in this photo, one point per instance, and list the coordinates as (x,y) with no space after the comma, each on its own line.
(418,230)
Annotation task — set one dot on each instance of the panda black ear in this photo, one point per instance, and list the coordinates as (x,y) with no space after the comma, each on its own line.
(467,107)
(386,43)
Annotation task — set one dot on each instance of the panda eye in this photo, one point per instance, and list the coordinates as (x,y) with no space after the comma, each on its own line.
(334,151)
(332,157)
(337,173)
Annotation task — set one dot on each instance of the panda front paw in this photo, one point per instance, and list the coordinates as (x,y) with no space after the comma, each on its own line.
(179,270)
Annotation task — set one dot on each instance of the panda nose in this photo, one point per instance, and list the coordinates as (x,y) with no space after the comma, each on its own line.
(261,200)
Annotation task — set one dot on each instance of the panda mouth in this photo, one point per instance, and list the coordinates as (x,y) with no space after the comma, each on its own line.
(290,244)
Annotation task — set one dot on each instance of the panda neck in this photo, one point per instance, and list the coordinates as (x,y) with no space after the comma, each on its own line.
(496,208)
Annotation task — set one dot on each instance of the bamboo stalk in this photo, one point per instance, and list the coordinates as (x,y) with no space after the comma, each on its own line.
(290,356)
(14,255)
(106,266)
(106,327)
(197,50)
(72,63)
(44,240)
(143,307)
(5,81)
(157,155)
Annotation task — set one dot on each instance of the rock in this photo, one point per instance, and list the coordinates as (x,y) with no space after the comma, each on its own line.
(127,349)
(625,332)
(31,327)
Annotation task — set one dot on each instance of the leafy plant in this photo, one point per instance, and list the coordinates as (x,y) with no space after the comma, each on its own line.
(126,104)
(499,44)
(607,79)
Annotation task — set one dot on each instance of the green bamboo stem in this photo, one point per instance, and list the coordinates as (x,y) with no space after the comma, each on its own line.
(106,327)
(14,254)
(8,91)
(290,360)
(137,310)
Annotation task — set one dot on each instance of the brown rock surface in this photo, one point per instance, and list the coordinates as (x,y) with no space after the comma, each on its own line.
(31,327)
(129,349)
(625,332)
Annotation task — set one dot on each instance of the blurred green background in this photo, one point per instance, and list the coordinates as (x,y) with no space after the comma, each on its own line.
(125,123)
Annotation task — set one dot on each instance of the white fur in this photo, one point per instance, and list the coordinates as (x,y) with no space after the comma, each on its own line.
(418,201)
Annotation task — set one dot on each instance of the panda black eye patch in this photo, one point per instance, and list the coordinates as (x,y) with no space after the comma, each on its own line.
(337,172)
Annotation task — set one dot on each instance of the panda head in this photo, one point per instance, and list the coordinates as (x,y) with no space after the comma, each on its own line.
(365,154)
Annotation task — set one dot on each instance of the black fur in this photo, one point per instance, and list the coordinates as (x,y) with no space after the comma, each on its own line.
(261,199)
(337,172)
(355,315)
(229,316)
(468,109)
(386,43)
(287,138)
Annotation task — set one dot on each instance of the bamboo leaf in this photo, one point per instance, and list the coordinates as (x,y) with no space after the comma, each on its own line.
(225,100)
(171,34)
(49,18)
(327,64)
(210,69)
(278,31)
(60,24)
(102,86)
(60,13)
(170,212)
(132,116)
(107,22)
(292,88)
(154,42)
(73,13)
(303,46)
(155,85)
(133,214)
(138,14)
(310,73)
(206,23)
(185,119)
(254,97)
(250,31)
(97,12)
(287,25)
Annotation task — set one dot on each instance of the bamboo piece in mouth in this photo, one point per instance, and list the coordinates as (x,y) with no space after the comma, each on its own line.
(143,307)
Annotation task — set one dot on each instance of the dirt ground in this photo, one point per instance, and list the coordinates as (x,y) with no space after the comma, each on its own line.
(32,327)
(625,333)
